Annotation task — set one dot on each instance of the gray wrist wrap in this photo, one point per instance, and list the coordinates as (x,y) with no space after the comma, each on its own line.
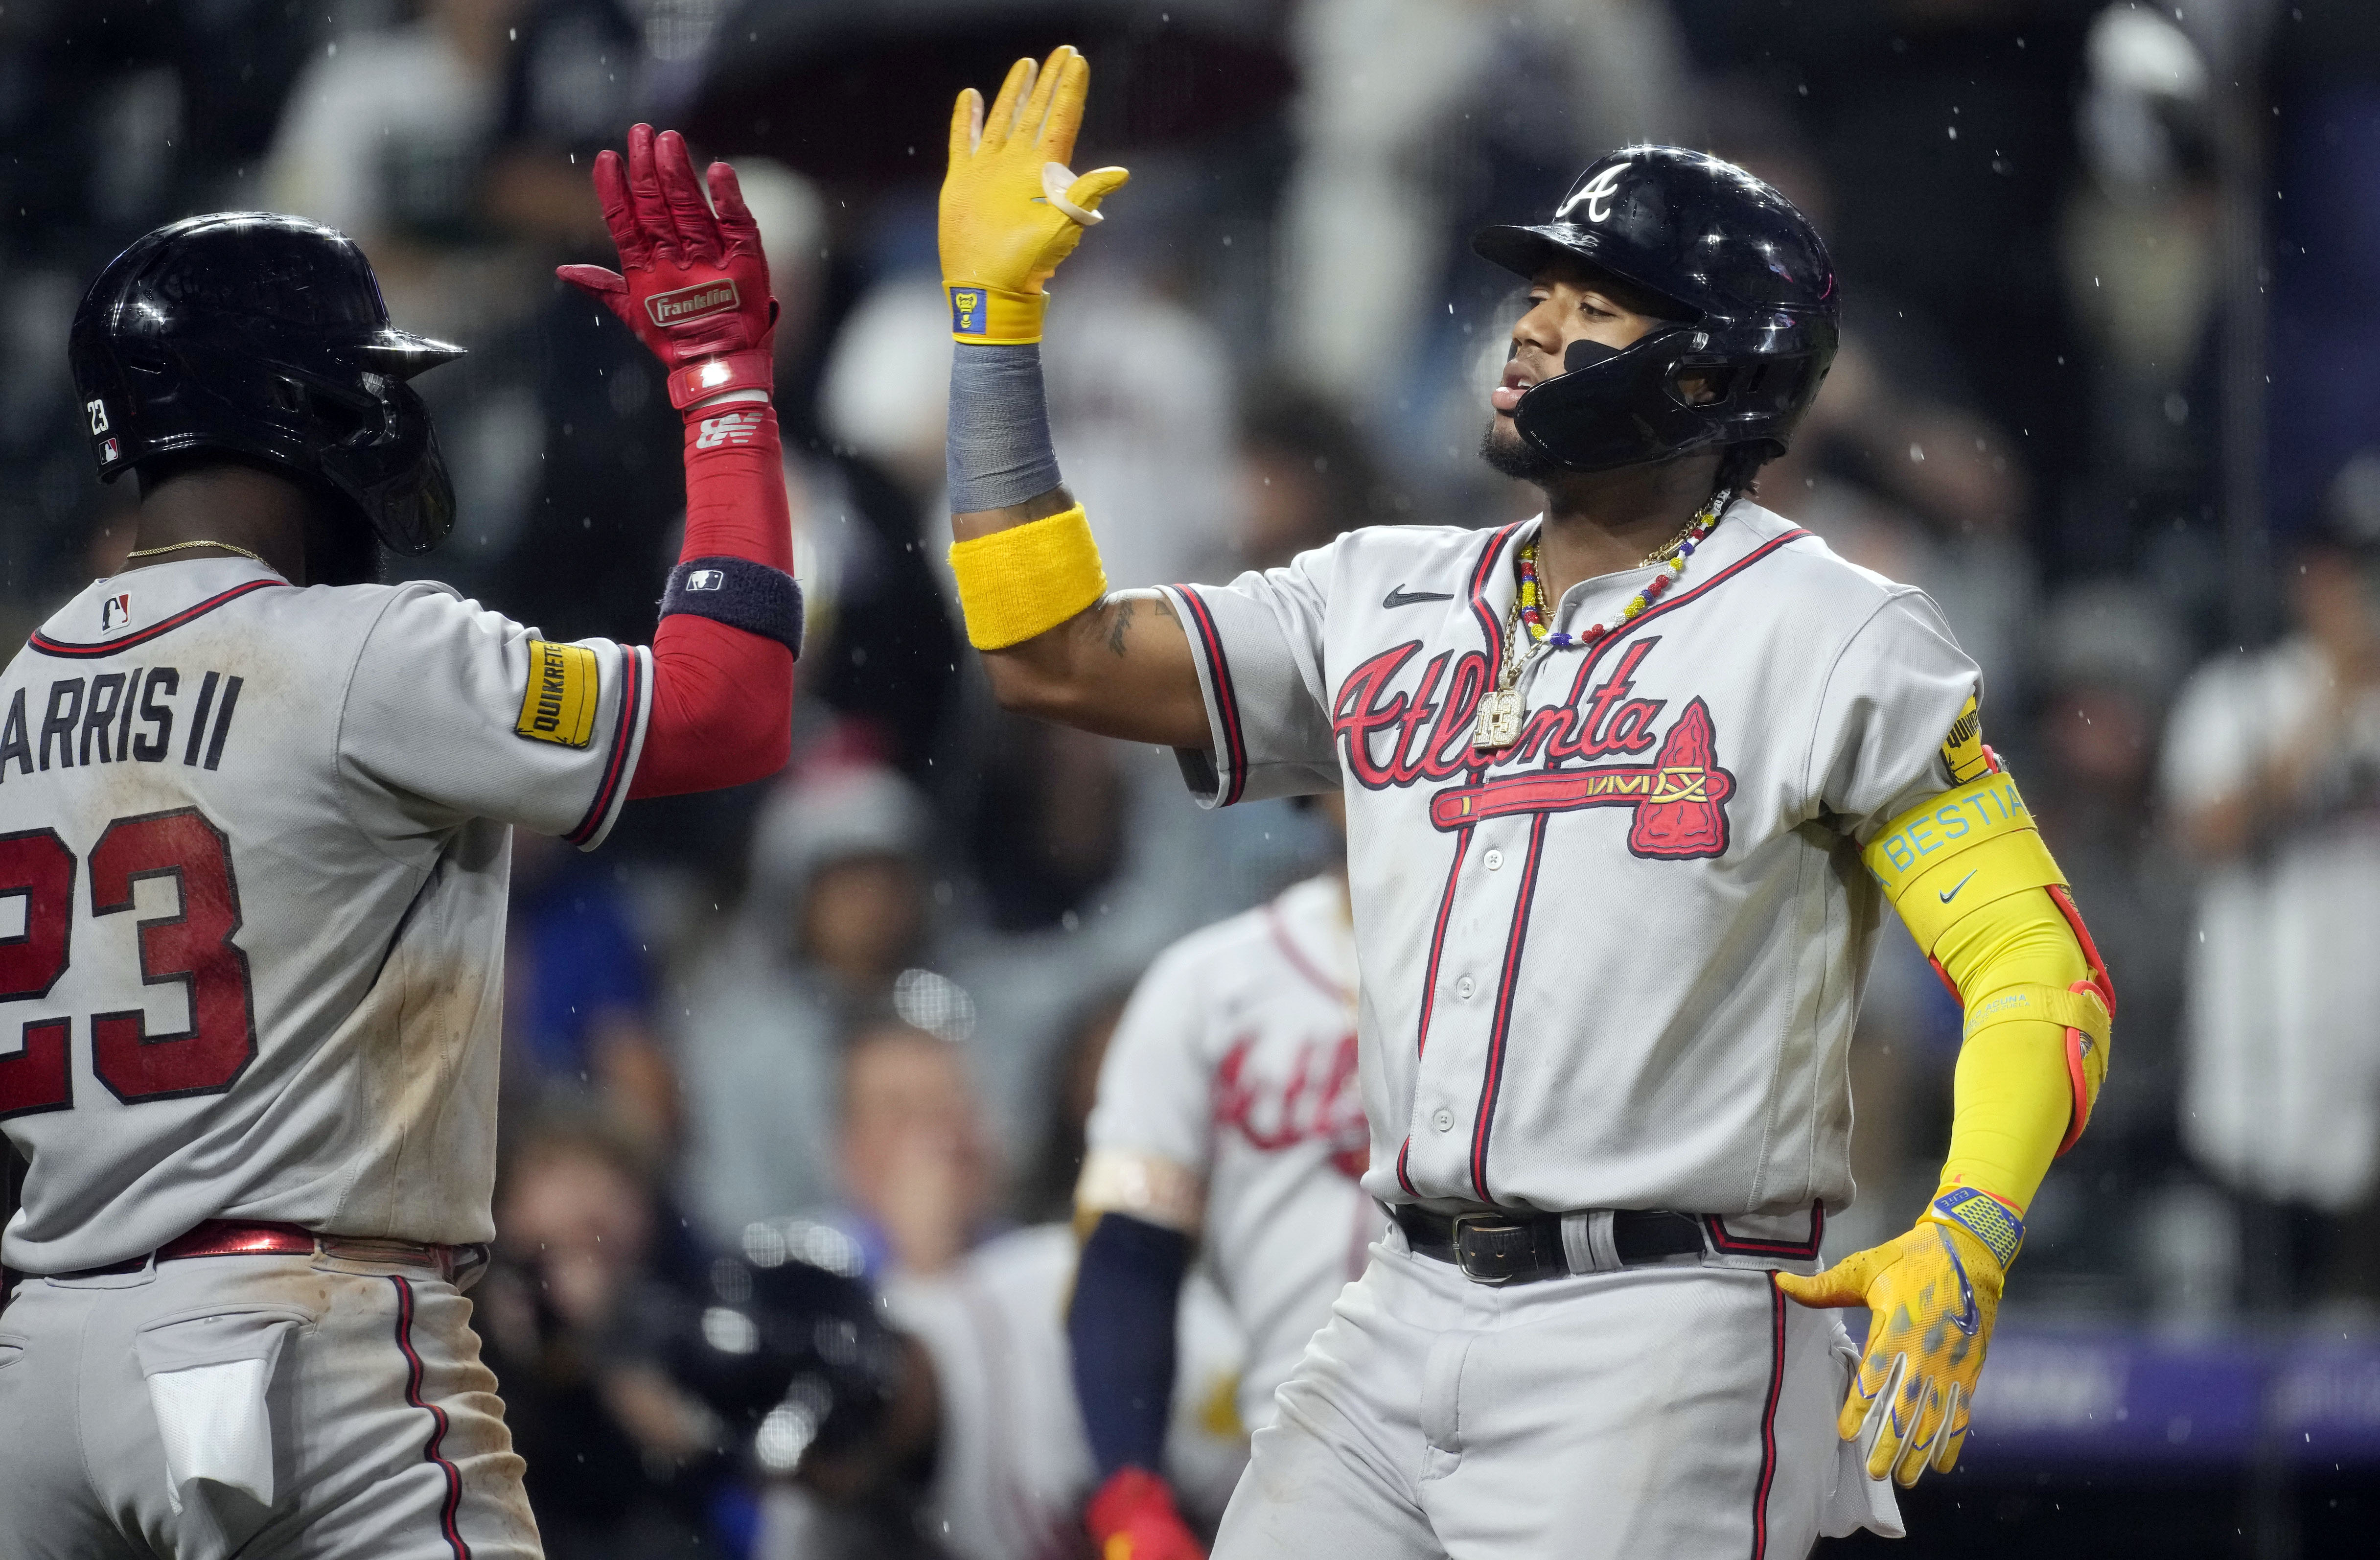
(740,594)
(999,449)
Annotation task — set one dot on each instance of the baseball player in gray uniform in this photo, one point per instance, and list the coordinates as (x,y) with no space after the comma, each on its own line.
(1627,787)
(255,823)
(1228,1127)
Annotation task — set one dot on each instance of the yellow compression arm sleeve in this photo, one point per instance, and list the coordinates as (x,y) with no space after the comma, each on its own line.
(1978,890)
(1021,582)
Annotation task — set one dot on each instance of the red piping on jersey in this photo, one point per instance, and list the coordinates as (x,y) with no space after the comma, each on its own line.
(1768,1421)
(1493,1081)
(624,736)
(75,650)
(1437,941)
(429,1451)
(1479,577)
(1297,959)
(1741,1246)
(1227,701)
(1489,623)
(1403,1179)
(1506,981)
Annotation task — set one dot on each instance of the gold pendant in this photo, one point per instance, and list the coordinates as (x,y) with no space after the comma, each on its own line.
(1500,720)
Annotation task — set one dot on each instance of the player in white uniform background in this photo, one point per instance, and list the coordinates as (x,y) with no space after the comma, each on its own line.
(255,819)
(1229,1128)
(1627,786)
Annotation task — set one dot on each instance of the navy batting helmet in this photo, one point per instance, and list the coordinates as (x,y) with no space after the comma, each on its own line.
(1743,274)
(265,337)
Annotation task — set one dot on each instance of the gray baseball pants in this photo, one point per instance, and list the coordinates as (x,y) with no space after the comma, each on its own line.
(1672,1410)
(258,1406)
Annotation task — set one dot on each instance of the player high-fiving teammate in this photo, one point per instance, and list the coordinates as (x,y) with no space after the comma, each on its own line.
(256,810)
(1611,776)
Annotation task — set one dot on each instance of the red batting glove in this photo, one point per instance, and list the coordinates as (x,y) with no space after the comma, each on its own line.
(693,285)
(1133,1518)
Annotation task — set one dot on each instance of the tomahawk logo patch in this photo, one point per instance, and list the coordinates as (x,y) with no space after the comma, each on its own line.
(559,704)
(1679,798)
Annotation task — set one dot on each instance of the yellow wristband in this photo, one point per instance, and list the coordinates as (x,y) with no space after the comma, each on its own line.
(990,317)
(1020,583)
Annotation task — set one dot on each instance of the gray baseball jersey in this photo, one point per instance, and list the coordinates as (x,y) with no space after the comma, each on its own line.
(1613,964)
(1233,1069)
(254,846)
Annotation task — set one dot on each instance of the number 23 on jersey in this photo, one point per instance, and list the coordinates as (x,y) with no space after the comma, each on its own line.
(188,944)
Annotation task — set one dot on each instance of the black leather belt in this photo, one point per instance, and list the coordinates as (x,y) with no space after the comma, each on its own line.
(1503,1246)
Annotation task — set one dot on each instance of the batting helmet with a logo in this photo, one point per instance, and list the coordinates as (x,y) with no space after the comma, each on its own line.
(1747,289)
(265,337)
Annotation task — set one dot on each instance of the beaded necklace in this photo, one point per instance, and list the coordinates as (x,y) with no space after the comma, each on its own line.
(1529,636)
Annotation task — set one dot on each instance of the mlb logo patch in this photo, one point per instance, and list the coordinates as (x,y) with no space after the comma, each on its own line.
(116,612)
(968,316)
(706,579)
(108,453)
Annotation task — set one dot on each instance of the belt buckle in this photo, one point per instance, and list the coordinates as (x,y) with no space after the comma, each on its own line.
(1485,1223)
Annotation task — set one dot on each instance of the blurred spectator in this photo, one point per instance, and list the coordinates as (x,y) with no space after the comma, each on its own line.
(577,999)
(835,909)
(1138,383)
(2273,769)
(1305,474)
(1414,117)
(919,1176)
(620,1461)
(385,139)
(2140,245)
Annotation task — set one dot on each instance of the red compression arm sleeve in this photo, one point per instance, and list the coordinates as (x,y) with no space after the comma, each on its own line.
(724,698)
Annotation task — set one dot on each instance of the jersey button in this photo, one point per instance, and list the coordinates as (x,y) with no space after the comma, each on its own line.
(1494,860)
(1443,1120)
(1464,987)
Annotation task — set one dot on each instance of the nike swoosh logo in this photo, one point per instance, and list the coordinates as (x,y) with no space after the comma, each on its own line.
(1963,883)
(1399,596)
(1969,1318)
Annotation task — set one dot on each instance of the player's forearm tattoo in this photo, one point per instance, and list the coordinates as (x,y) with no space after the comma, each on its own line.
(1120,623)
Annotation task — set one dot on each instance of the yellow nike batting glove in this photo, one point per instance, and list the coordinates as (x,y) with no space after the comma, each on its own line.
(1011,209)
(1931,1295)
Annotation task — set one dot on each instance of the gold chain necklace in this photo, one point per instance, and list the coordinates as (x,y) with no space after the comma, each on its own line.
(185,546)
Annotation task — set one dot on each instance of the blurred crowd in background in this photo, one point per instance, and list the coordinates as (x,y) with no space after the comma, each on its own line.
(2107,390)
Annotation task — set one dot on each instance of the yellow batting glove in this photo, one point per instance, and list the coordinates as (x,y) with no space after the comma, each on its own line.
(1931,1295)
(1011,209)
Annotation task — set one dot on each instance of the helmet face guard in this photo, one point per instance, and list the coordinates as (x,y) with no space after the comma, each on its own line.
(1749,285)
(264,336)
(1670,393)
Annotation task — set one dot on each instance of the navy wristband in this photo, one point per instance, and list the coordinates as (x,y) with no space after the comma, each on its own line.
(740,594)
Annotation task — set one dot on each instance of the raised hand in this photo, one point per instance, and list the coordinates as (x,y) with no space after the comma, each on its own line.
(1011,208)
(692,283)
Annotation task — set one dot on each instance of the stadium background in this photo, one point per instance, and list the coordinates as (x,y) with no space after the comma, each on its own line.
(2110,390)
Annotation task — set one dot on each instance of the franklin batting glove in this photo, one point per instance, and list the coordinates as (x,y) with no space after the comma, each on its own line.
(692,284)
(1011,208)
(1133,1518)
(1931,1295)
